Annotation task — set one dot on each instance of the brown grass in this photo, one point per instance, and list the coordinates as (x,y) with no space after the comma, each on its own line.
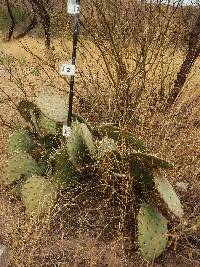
(71,239)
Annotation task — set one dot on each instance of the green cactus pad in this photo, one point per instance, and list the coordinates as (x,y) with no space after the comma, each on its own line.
(152,232)
(80,119)
(87,138)
(149,161)
(48,126)
(65,174)
(119,135)
(50,141)
(34,122)
(142,166)
(44,163)
(20,164)
(104,146)
(20,140)
(52,106)
(25,108)
(168,194)
(18,189)
(76,147)
(80,146)
(38,195)
(138,170)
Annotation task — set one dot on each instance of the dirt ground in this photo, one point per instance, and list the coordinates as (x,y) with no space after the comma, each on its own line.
(176,137)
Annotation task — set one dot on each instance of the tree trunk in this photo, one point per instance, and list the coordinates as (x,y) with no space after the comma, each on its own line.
(191,56)
(30,27)
(44,17)
(12,26)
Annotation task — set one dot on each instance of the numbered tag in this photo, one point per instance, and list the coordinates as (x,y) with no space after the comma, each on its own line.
(67,69)
(72,7)
(66,131)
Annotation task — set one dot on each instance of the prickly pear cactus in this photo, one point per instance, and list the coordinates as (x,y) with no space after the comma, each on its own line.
(78,118)
(38,195)
(119,136)
(48,126)
(18,189)
(152,232)
(19,165)
(25,108)
(44,163)
(109,153)
(65,174)
(168,194)
(138,170)
(105,146)
(87,138)
(149,161)
(142,166)
(52,106)
(20,140)
(80,146)
(50,142)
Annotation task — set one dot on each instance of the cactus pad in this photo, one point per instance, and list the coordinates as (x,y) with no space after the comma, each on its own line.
(138,170)
(168,194)
(65,174)
(20,140)
(80,145)
(50,141)
(20,164)
(80,119)
(25,108)
(152,232)
(44,163)
(149,161)
(119,135)
(18,189)
(104,146)
(87,138)
(53,106)
(47,126)
(38,195)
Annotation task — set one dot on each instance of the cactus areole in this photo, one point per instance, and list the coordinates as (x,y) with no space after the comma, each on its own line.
(75,43)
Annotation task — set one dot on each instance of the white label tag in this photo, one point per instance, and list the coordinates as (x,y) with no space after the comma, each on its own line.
(72,7)
(66,131)
(67,69)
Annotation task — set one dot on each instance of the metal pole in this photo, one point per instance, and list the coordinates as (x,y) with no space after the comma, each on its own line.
(75,43)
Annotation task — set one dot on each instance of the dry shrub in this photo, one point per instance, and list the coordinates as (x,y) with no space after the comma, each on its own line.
(127,63)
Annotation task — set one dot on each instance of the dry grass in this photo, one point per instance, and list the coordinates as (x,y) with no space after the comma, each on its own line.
(87,238)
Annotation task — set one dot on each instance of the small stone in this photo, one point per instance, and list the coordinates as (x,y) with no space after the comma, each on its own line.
(3,256)
(182,185)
